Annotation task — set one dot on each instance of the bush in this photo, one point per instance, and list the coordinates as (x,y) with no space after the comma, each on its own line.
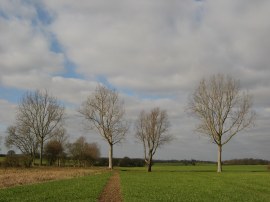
(25,161)
(127,162)
(83,153)
(11,161)
(17,161)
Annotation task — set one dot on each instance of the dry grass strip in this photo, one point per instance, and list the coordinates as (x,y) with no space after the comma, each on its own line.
(13,177)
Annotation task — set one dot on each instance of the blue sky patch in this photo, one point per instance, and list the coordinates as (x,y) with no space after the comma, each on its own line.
(43,15)
(10,94)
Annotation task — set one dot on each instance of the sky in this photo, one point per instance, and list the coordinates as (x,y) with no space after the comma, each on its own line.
(153,52)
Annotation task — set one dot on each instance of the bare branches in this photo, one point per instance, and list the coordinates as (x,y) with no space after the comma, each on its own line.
(40,112)
(152,131)
(105,112)
(41,115)
(21,138)
(223,110)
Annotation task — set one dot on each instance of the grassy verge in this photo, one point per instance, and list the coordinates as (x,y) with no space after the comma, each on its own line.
(85,188)
(187,183)
(2,159)
(18,176)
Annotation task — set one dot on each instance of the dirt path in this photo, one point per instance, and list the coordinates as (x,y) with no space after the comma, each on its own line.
(112,190)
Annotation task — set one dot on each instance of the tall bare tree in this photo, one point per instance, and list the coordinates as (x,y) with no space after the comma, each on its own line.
(105,112)
(24,140)
(152,131)
(41,114)
(222,109)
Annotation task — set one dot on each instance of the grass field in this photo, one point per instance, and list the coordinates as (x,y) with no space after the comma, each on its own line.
(165,183)
(196,183)
(18,176)
(87,188)
(2,158)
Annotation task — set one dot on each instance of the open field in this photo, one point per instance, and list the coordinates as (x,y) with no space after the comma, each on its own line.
(200,168)
(165,183)
(196,183)
(18,176)
(87,188)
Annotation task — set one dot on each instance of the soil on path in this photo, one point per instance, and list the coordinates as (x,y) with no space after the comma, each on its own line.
(112,190)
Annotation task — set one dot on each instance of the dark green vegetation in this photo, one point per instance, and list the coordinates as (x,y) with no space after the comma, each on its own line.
(196,183)
(86,188)
(2,158)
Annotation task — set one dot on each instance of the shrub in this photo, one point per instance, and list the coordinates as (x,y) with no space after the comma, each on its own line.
(127,162)
(11,161)
(17,161)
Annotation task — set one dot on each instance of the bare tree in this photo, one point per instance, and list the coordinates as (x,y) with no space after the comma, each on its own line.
(55,148)
(60,135)
(83,152)
(105,111)
(53,151)
(24,140)
(222,109)
(152,131)
(41,114)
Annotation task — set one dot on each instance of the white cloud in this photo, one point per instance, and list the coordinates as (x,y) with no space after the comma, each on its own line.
(24,47)
(7,111)
(157,46)
(154,52)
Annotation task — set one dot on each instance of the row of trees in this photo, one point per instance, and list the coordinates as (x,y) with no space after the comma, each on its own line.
(39,118)
(60,153)
(246,161)
(221,108)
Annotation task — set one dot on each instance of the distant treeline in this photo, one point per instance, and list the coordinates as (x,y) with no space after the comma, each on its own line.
(121,162)
(246,161)
(136,162)
(184,162)
(19,160)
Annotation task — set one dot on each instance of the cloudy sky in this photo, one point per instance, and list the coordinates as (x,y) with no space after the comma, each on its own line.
(154,52)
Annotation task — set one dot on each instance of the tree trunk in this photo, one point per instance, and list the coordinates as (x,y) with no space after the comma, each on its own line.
(41,152)
(149,169)
(150,162)
(219,168)
(33,157)
(111,156)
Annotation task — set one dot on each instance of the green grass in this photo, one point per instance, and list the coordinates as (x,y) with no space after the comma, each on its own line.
(201,168)
(197,183)
(85,188)
(2,159)
(165,183)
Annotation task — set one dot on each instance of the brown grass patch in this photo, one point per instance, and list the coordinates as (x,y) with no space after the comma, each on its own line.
(13,177)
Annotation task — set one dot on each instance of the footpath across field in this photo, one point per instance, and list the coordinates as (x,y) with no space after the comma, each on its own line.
(165,183)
